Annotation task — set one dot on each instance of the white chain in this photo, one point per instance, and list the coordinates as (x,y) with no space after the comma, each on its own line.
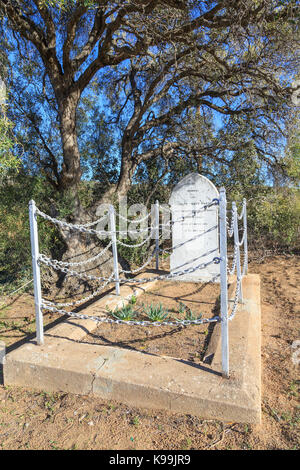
(63,266)
(172,275)
(236,299)
(243,237)
(164,251)
(90,224)
(188,241)
(84,227)
(134,271)
(57,267)
(136,221)
(243,210)
(230,228)
(231,271)
(131,322)
(44,259)
(84,276)
(80,228)
(137,244)
(183,217)
(81,301)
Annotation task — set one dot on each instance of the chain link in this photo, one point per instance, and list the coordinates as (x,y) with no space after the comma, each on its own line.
(44,259)
(232,269)
(137,244)
(194,212)
(80,228)
(136,221)
(64,265)
(58,267)
(216,260)
(236,299)
(81,301)
(131,322)
(134,271)
(230,227)
(85,276)
(243,236)
(243,210)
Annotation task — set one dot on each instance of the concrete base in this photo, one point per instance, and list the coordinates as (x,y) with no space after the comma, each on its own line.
(145,380)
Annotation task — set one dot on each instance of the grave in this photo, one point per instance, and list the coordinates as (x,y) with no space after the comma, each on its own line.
(195,237)
(225,385)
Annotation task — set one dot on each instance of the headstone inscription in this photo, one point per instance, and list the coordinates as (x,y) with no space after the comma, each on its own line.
(195,239)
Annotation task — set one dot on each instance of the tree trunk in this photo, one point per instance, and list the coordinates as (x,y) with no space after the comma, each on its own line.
(71,171)
(199,159)
(128,167)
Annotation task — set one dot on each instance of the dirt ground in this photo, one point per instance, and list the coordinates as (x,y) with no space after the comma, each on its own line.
(38,420)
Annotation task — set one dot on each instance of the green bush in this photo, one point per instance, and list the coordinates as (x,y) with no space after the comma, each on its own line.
(273,216)
(276,219)
(273,221)
(15,251)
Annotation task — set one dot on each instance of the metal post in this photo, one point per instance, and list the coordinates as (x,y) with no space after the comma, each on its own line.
(36,273)
(114,246)
(238,253)
(223,280)
(245,238)
(157,235)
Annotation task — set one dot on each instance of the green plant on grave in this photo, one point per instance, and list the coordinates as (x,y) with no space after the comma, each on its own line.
(126,313)
(133,300)
(189,315)
(156,313)
(181,308)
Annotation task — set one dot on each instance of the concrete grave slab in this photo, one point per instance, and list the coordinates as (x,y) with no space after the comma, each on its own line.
(145,380)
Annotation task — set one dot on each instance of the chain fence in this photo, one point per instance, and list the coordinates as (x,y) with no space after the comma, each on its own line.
(231,229)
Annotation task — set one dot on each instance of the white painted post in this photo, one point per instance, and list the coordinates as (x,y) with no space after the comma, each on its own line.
(245,238)
(238,252)
(2,352)
(36,273)
(223,281)
(112,224)
(157,235)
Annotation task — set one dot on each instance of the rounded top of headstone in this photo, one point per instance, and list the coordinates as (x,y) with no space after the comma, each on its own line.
(193,188)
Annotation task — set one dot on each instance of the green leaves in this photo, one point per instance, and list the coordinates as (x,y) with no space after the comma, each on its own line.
(156,313)
(8,160)
(126,313)
(189,314)
(68,4)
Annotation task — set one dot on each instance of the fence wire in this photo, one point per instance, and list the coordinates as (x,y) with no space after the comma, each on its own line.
(64,266)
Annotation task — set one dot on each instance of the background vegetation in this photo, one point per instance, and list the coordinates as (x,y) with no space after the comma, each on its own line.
(105,99)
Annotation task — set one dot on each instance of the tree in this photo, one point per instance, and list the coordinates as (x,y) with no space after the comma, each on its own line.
(234,58)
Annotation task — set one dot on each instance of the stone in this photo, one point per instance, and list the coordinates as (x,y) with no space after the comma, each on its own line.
(195,238)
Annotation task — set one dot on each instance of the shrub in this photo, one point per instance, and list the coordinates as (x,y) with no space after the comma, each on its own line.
(15,251)
(156,313)
(273,218)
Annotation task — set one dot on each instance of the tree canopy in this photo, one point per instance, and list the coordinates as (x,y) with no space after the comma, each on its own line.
(117,89)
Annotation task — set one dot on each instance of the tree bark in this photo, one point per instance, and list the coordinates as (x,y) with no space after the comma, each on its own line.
(126,174)
(71,173)
(71,170)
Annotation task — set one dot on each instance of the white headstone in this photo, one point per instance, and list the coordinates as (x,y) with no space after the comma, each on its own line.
(195,238)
